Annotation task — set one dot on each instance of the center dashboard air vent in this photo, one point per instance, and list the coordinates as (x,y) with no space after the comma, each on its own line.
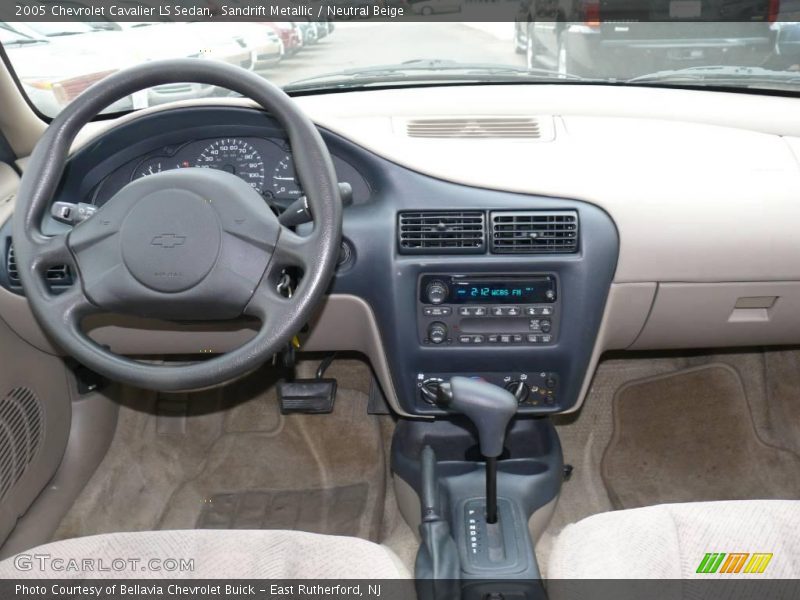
(442,232)
(534,232)
(475,127)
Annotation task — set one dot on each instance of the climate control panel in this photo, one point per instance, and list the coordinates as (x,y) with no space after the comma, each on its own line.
(538,389)
(488,310)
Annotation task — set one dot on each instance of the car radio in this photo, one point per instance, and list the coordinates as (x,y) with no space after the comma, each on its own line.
(481,310)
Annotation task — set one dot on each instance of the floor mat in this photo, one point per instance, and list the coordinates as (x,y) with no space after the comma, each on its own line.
(689,436)
(336,511)
(234,458)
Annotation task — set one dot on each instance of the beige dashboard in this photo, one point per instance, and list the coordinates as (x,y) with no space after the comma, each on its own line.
(704,188)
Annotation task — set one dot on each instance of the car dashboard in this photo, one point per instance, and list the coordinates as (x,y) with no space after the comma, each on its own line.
(518,261)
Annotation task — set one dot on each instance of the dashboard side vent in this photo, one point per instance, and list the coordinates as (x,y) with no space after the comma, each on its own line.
(442,232)
(58,276)
(476,127)
(11,267)
(534,232)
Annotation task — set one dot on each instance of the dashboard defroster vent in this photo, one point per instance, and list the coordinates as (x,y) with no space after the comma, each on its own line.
(442,232)
(475,127)
(534,232)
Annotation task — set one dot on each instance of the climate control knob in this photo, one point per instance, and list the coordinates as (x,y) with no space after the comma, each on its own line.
(437,332)
(430,389)
(520,389)
(436,292)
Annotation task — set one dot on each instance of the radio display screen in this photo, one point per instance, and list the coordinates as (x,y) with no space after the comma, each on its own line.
(502,292)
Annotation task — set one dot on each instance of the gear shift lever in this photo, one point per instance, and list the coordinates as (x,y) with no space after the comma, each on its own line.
(490,408)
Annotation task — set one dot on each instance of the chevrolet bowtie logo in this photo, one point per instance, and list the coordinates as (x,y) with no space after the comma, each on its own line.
(168,240)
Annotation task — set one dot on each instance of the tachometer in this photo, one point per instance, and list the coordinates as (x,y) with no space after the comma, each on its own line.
(284,179)
(234,156)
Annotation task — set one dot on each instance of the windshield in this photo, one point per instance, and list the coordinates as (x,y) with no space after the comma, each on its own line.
(59,29)
(618,42)
(10,36)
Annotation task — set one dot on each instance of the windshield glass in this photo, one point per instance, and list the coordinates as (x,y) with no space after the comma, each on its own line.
(644,42)
(10,36)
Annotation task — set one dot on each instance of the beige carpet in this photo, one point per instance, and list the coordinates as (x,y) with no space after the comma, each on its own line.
(772,386)
(235,461)
(689,436)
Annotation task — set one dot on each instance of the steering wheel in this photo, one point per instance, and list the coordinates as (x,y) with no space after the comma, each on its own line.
(188,244)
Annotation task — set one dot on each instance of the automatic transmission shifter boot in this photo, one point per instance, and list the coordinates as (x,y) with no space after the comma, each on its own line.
(488,406)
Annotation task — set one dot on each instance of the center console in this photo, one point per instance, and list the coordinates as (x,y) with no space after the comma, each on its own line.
(510,310)
(440,479)
(464,281)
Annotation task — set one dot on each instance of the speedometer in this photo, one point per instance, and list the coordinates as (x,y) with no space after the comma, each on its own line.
(235,156)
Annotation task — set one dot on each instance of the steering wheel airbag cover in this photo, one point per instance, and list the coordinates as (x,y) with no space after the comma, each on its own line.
(171,240)
(183,244)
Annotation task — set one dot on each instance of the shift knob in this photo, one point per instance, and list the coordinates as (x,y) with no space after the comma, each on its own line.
(488,406)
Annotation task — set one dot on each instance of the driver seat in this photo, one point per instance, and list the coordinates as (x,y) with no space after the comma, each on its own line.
(207,554)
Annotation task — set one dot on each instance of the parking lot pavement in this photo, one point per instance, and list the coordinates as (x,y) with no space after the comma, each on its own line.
(354,45)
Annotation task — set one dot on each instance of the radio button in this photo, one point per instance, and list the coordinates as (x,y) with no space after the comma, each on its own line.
(497,311)
(533,339)
(531,311)
(505,339)
(465,339)
(479,311)
(546,339)
(513,311)
(464,311)
(517,338)
(493,339)
(478,339)
(436,311)
(547,310)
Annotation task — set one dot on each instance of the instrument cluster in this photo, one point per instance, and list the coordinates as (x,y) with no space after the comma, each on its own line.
(266,164)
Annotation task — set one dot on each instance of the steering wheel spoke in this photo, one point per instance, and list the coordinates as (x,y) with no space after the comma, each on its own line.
(73,304)
(293,250)
(268,305)
(52,252)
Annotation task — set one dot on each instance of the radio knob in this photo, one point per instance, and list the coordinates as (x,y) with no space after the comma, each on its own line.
(546,326)
(437,332)
(520,389)
(436,292)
